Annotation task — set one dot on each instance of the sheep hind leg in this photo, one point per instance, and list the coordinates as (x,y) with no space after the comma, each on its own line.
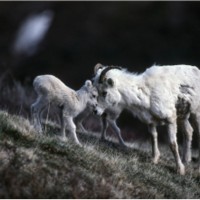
(63,124)
(155,150)
(172,130)
(187,133)
(196,119)
(36,109)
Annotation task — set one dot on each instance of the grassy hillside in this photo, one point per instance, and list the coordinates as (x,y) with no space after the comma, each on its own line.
(34,166)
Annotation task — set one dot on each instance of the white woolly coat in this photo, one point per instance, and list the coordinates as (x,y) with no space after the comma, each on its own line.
(155,95)
(56,92)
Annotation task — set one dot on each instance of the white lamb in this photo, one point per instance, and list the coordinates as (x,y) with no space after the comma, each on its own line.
(160,95)
(51,90)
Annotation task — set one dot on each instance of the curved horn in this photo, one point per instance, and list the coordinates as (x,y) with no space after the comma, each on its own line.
(103,73)
(97,67)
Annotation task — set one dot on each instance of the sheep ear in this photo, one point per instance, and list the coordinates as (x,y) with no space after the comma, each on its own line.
(97,67)
(110,82)
(88,83)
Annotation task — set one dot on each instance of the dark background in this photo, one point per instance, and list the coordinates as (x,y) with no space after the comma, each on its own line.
(134,35)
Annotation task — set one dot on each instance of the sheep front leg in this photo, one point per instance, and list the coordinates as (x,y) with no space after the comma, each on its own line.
(117,131)
(104,126)
(80,127)
(79,122)
(155,150)
(172,130)
(71,128)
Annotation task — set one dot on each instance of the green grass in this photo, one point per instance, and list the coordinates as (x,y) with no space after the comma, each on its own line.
(41,166)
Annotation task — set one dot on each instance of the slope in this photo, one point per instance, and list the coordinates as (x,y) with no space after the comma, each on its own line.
(41,166)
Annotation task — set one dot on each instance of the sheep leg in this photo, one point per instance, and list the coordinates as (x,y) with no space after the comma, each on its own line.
(117,131)
(187,132)
(79,122)
(80,127)
(155,150)
(41,113)
(63,124)
(34,113)
(104,126)
(196,119)
(198,122)
(67,121)
(36,109)
(72,129)
(172,130)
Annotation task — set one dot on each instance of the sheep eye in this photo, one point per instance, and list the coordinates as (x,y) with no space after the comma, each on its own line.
(104,94)
(94,96)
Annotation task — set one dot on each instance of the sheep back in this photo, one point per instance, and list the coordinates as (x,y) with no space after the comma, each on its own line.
(54,89)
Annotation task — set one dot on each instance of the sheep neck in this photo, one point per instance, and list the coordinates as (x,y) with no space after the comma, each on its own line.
(82,98)
(136,90)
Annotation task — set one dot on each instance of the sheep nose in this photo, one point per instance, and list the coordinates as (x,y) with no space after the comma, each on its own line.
(95,106)
(95,112)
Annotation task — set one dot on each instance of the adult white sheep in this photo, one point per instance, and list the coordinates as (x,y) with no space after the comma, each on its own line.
(51,90)
(160,95)
(111,113)
(108,115)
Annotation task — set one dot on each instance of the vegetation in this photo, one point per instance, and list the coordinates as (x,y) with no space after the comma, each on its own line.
(41,166)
